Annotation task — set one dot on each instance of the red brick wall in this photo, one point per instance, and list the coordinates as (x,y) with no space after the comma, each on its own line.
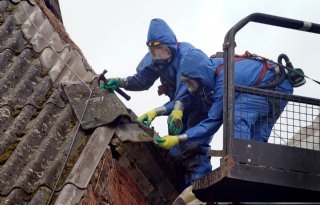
(112,185)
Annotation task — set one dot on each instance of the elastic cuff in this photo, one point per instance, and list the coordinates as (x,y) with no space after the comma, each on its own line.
(182,137)
(161,110)
(178,105)
(123,82)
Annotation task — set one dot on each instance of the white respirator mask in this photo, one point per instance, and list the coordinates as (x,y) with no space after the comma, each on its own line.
(161,54)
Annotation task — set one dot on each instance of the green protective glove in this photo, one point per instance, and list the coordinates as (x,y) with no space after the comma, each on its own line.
(113,84)
(102,84)
(167,142)
(147,118)
(174,122)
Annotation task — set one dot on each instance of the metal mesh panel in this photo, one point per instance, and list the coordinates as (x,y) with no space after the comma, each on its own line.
(278,118)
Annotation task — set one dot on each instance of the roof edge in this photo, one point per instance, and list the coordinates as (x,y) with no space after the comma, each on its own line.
(58,26)
(83,170)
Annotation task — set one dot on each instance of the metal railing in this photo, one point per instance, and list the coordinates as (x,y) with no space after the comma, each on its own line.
(297,126)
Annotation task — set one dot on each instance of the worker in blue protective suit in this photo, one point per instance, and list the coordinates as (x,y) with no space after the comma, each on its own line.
(254,115)
(164,61)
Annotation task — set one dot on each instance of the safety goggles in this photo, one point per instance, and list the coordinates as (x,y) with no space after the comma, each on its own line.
(160,51)
(153,43)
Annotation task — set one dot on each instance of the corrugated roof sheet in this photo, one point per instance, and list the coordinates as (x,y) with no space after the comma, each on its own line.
(38,125)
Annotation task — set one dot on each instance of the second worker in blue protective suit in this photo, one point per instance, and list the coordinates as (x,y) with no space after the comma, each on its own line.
(254,115)
(164,61)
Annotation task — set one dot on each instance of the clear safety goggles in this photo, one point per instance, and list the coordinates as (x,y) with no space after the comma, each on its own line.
(160,52)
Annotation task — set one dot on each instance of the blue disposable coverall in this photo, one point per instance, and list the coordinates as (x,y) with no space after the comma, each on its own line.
(252,113)
(193,165)
(146,74)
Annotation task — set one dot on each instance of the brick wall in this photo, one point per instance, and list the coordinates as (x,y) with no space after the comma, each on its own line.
(111,185)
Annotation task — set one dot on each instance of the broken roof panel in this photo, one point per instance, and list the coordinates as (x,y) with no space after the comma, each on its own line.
(90,107)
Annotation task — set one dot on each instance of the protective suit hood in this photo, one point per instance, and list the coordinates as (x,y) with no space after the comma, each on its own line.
(161,32)
(199,66)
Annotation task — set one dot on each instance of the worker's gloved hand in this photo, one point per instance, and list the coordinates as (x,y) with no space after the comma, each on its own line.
(113,84)
(147,118)
(167,142)
(174,122)
(102,84)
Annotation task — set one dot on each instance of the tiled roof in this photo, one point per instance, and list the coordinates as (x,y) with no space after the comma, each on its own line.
(37,124)
(39,129)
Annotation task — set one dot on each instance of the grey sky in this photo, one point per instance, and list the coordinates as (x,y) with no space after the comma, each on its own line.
(112,36)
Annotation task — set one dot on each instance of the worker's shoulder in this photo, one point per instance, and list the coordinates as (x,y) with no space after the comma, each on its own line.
(185,46)
(187,49)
